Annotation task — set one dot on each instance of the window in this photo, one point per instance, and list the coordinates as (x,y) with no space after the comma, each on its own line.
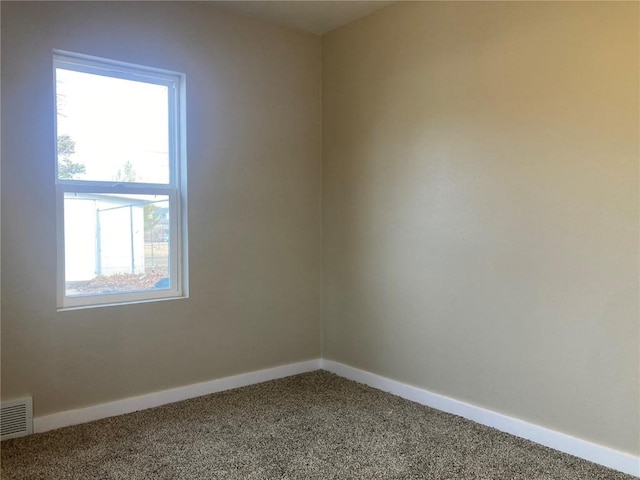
(120,182)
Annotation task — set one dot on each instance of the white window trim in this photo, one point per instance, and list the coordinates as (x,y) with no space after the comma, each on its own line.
(175,189)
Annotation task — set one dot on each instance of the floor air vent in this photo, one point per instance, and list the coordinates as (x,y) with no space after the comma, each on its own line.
(16,418)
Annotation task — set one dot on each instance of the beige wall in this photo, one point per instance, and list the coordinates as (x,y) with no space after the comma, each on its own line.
(254,172)
(480,206)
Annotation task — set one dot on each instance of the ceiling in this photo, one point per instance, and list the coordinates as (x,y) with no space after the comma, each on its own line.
(308,15)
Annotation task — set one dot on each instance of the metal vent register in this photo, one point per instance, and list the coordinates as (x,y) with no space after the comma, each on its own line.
(16,418)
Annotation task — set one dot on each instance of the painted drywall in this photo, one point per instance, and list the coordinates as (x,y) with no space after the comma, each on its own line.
(480,207)
(254,172)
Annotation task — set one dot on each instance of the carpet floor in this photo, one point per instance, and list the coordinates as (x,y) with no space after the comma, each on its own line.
(311,426)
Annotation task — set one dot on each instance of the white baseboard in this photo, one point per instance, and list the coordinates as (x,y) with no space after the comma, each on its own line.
(155,399)
(605,456)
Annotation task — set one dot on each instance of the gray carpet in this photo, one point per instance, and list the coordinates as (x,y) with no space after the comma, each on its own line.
(311,426)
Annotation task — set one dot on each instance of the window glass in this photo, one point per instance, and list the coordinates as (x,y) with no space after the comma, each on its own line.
(116,243)
(111,129)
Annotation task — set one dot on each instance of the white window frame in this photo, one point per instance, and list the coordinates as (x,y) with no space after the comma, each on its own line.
(175,190)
